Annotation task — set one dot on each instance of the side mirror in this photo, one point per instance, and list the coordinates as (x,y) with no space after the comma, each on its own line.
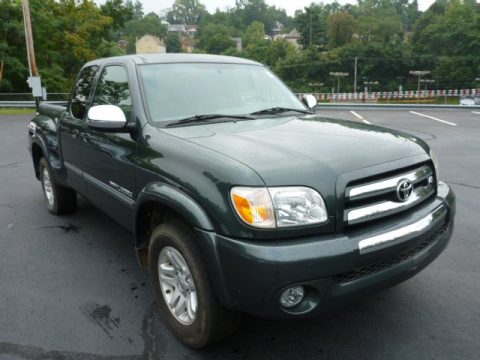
(309,100)
(106,118)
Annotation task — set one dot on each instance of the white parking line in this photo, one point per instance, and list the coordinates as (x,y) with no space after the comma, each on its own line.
(433,118)
(360,117)
(476,112)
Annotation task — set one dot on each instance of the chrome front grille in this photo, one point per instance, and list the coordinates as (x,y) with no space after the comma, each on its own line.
(378,198)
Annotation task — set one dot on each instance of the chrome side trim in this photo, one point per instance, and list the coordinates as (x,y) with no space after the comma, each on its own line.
(387,185)
(403,234)
(73,168)
(120,189)
(94,181)
(385,208)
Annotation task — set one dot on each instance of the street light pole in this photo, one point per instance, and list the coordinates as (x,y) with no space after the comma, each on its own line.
(355,76)
(427,81)
(338,75)
(310,28)
(315,85)
(370,84)
(419,74)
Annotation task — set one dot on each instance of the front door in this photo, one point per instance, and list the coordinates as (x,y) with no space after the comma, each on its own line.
(108,169)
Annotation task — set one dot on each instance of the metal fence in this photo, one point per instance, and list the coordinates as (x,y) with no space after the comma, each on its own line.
(396,95)
(25,100)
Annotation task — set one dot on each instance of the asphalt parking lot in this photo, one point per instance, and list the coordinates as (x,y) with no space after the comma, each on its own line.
(71,288)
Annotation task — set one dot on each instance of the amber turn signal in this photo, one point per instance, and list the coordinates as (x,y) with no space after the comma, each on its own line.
(254,206)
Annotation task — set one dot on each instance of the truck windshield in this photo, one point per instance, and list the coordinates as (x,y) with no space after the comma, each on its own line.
(183,90)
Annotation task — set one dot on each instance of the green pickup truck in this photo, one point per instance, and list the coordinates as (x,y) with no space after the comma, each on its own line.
(240,198)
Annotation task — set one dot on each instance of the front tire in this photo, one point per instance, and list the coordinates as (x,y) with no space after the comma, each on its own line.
(60,200)
(183,289)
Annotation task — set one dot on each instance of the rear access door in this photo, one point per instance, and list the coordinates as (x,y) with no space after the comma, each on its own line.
(72,127)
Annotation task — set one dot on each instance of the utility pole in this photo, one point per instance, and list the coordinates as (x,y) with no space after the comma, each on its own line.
(355,76)
(311,41)
(34,79)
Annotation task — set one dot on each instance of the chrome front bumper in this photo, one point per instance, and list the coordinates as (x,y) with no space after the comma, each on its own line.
(335,269)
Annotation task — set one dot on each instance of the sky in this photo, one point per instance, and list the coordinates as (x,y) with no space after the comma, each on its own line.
(289,5)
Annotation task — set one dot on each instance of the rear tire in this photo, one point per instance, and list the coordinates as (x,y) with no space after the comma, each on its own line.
(209,322)
(60,200)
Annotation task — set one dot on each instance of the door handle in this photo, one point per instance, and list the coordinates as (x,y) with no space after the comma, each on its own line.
(86,137)
(75,133)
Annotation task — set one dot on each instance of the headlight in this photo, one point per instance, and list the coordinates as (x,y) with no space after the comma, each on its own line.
(435,164)
(279,206)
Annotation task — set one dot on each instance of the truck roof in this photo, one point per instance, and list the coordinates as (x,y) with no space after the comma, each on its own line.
(173,58)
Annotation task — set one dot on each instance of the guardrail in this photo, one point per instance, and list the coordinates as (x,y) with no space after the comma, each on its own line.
(348,106)
(25,100)
(24,104)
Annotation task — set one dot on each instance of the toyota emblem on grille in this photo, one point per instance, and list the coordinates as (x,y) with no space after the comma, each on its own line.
(404,190)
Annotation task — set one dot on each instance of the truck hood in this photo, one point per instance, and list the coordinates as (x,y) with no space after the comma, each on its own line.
(284,150)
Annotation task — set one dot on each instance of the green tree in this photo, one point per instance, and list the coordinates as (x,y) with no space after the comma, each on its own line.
(448,37)
(187,12)
(67,33)
(119,11)
(270,52)
(341,28)
(379,21)
(12,48)
(299,68)
(207,32)
(218,44)
(312,23)
(255,33)
(135,29)
(248,11)
(173,43)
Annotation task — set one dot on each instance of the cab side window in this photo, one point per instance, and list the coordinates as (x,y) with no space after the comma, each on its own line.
(82,91)
(112,89)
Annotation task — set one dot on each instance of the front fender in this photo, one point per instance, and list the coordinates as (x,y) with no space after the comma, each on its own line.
(174,199)
(49,150)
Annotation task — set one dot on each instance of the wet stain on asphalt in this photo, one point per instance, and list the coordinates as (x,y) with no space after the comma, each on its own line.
(101,315)
(12,165)
(154,348)
(69,228)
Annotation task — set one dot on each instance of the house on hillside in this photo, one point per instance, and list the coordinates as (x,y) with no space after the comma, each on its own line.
(278,28)
(149,44)
(180,29)
(192,30)
(188,44)
(183,30)
(122,44)
(292,37)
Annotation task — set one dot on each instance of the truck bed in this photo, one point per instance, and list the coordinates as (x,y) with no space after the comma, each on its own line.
(53,111)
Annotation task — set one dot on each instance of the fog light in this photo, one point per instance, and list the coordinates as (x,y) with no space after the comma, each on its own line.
(292,296)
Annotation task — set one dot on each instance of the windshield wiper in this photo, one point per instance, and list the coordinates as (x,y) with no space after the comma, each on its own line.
(201,118)
(279,110)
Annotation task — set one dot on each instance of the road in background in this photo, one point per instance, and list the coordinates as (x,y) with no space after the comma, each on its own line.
(71,288)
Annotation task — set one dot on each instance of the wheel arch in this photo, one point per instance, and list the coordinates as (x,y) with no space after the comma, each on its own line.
(37,153)
(157,203)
